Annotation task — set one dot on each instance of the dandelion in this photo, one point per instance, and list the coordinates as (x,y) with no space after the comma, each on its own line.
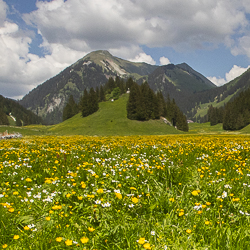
(84,240)
(4,246)
(147,246)
(11,210)
(16,237)
(47,218)
(181,213)
(135,200)
(118,195)
(141,241)
(207,222)
(195,193)
(69,242)
(59,239)
(91,229)
(189,231)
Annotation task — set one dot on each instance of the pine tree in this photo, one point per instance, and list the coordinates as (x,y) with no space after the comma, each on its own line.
(133,101)
(102,97)
(93,101)
(70,108)
(84,104)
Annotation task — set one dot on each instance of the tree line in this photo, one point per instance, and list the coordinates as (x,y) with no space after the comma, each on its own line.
(234,115)
(143,103)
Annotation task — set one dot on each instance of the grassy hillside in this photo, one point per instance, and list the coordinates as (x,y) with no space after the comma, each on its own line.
(111,119)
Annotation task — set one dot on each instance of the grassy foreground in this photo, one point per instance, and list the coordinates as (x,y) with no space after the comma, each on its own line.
(150,192)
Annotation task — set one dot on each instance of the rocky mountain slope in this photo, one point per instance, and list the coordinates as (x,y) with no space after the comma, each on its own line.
(48,99)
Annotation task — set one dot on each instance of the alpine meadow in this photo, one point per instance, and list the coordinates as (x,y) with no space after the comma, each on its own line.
(118,155)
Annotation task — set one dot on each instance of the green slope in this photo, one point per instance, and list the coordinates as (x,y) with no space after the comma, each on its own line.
(111,119)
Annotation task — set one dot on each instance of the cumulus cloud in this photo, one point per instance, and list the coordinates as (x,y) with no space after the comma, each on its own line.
(143,57)
(229,76)
(70,29)
(159,23)
(164,60)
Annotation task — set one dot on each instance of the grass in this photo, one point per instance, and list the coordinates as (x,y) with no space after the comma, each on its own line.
(111,119)
(132,192)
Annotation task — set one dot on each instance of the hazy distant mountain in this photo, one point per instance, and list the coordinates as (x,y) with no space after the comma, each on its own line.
(11,110)
(219,96)
(48,99)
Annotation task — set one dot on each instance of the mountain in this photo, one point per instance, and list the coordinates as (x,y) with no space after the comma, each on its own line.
(218,97)
(11,110)
(48,99)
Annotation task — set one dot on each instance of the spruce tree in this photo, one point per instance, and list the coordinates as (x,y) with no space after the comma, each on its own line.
(102,97)
(133,101)
(84,104)
(70,108)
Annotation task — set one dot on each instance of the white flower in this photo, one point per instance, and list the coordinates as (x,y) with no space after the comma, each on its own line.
(224,194)
(152,232)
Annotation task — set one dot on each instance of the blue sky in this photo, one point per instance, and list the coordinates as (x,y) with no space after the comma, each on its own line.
(38,39)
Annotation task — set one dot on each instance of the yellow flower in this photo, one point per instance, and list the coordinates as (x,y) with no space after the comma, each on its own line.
(147,246)
(11,210)
(26,228)
(195,193)
(235,199)
(141,241)
(118,195)
(59,239)
(207,222)
(208,203)
(181,213)
(15,193)
(133,188)
(4,246)
(135,200)
(28,180)
(100,191)
(16,237)
(189,231)
(91,229)
(84,240)
(47,218)
(171,199)
(69,242)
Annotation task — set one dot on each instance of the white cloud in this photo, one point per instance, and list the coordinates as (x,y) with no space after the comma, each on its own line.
(3,10)
(231,75)
(217,81)
(164,60)
(142,57)
(72,28)
(160,23)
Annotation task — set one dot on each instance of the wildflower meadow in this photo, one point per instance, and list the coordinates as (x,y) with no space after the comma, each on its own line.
(150,192)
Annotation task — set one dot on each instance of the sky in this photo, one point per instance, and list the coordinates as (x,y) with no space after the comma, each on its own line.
(40,38)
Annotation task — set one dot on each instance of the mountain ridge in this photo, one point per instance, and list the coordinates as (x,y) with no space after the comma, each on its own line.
(93,70)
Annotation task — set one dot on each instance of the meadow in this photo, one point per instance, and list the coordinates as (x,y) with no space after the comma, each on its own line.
(130,192)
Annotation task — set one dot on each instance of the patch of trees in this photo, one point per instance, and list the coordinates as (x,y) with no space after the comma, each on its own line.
(22,115)
(144,104)
(234,115)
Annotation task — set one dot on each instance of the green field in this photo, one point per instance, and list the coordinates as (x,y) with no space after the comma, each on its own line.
(129,192)
(111,119)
